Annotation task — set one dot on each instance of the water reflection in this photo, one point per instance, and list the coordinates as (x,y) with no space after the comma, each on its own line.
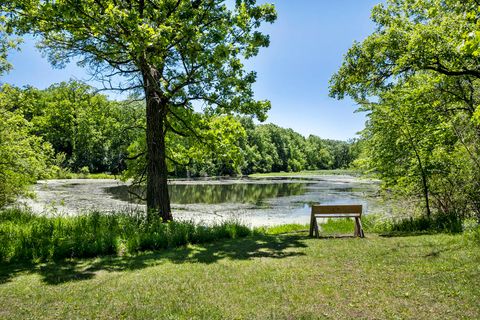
(217,193)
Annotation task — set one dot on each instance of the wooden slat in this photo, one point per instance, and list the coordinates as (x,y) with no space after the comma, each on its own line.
(336,209)
(337,215)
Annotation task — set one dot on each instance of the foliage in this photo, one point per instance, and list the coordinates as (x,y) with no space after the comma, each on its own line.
(234,146)
(438,223)
(473,234)
(349,172)
(270,148)
(7,42)
(218,153)
(411,36)
(86,130)
(24,157)
(25,236)
(417,77)
(212,150)
(318,154)
(90,130)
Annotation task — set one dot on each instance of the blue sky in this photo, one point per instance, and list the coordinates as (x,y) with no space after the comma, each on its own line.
(308,42)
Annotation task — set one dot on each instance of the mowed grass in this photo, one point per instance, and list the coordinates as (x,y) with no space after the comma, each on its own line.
(288,276)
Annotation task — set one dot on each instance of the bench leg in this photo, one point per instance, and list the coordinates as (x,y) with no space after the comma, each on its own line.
(315,226)
(312,222)
(355,226)
(362,235)
(358,228)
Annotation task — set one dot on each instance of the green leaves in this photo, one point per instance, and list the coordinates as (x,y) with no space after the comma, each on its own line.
(410,36)
(418,76)
(194,48)
(23,156)
(7,42)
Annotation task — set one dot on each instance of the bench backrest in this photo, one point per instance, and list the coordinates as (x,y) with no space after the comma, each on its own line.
(337,209)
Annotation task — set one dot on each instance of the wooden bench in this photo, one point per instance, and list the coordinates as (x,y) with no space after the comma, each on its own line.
(336,211)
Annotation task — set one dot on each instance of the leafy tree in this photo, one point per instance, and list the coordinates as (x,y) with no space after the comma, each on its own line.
(6,43)
(411,35)
(340,153)
(417,76)
(23,156)
(175,51)
(85,126)
(318,155)
(91,130)
(267,154)
(297,159)
(218,154)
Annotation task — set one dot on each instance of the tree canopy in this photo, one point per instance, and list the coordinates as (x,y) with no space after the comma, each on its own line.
(24,157)
(418,77)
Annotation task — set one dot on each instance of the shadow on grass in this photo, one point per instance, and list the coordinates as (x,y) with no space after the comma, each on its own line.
(398,234)
(275,247)
(337,236)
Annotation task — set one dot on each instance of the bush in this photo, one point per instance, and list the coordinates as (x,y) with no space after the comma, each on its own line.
(84,171)
(437,223)
(471,227)
(25,236)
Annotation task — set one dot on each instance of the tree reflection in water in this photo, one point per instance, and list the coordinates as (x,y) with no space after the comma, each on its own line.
(218,193)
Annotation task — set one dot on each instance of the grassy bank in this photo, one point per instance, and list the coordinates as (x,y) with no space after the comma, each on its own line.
(72,175)
(306,173)
(25,236)
(28,237)
(258,277)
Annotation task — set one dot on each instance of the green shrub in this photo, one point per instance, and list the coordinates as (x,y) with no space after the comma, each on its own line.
(436,223)
(471,227)
(84,171)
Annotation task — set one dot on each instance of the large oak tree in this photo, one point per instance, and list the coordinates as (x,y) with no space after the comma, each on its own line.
(174,52)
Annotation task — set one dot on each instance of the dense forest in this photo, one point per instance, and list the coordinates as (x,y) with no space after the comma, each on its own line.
(71,128)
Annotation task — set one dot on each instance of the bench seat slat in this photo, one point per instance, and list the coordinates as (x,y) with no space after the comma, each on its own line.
(345,208)
(337,215)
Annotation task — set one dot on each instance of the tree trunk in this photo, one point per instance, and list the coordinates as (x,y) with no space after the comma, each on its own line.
(424,184)
(425,194)
(158,199)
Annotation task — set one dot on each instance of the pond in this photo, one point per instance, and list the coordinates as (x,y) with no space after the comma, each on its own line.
(263,201)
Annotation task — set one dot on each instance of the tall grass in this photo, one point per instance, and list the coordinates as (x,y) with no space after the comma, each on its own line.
(380,224)
(25,236)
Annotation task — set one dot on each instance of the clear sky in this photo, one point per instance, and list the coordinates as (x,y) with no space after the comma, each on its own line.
(308,42)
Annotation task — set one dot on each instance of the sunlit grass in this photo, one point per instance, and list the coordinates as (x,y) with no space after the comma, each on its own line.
(258,277)
(27,237)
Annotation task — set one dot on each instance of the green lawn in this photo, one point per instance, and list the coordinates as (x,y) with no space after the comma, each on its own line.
(258,277)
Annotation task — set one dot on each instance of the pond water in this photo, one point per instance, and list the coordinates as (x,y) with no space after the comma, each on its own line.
(265,201)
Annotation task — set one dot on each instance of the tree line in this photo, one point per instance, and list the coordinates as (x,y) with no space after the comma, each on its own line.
(262,148)
(70,127)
